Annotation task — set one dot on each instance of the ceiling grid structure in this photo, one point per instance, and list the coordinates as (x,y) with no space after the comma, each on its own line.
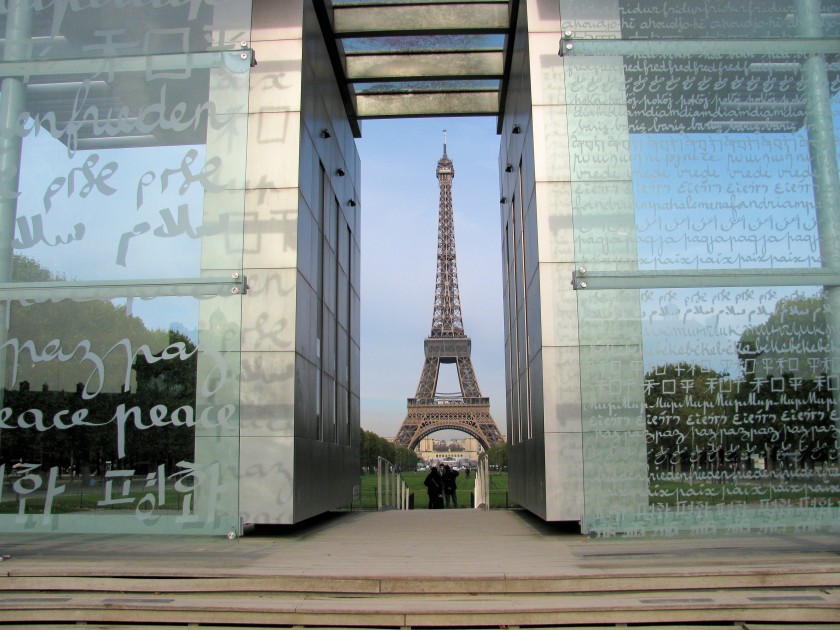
(419,58)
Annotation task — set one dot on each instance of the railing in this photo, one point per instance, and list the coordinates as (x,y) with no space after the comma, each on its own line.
(482,483)
(391,491)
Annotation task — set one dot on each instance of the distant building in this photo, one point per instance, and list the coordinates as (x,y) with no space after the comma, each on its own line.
(458,450)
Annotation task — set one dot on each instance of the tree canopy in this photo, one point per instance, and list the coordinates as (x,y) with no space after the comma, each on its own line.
(374,446)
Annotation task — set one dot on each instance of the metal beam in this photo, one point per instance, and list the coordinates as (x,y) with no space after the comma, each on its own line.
(236,61)
(570,46)
(584,279)
(513,18)
(324,13)
(421,18)
(464,65)
(234,284)
(427,104)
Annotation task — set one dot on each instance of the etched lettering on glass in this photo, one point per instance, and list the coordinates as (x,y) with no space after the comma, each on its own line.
(128,137)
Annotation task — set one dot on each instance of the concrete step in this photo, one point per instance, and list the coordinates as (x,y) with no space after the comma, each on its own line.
(435,570)
(769,605)
(715,626)
(139,581)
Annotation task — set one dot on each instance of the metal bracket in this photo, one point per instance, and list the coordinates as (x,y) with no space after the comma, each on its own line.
(242,283)
(566,45)
(578,279)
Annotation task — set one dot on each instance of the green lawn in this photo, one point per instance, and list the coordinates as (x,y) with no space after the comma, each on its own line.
(414,480)
(77,498)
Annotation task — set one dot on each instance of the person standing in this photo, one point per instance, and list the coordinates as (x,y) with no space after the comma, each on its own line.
(434,486)
(449,486)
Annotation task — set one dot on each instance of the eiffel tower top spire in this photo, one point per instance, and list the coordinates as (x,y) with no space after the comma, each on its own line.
(446,318)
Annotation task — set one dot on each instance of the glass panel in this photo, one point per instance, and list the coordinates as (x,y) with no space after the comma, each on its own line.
(711,409)
(640,19)
(84,30)
(118,418)
(738,425)
(120,259)
(130,170)
(707,161)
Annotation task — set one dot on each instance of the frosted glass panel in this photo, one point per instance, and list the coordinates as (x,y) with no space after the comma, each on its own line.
(122,170)
(709,404)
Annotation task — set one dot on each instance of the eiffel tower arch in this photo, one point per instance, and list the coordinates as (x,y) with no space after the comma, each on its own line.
(467,410)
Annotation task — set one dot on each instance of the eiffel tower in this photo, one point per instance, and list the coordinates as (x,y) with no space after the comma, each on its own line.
(429,411)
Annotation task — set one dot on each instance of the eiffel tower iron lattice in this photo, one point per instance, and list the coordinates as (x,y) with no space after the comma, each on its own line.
(429,411)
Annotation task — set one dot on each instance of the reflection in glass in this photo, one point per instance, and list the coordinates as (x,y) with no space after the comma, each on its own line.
(102,409)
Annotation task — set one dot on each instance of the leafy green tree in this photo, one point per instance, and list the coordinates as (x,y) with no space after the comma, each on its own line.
(785,399)
(372,448)
(405,458)
(498,455)
(795,338)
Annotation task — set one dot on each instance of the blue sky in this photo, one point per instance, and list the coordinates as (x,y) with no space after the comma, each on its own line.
(399,241)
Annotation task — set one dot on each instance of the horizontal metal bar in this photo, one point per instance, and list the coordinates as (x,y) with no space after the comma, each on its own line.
(426,18)
(462,64)
(234,284)
(583,279)
(476,103)
(570,46)
(236,61)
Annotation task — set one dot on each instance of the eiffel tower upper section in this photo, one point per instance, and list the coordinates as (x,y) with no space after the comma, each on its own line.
(446,319)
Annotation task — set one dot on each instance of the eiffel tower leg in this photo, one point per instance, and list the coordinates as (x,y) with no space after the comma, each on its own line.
(466,375)
(426,389)
(427,386)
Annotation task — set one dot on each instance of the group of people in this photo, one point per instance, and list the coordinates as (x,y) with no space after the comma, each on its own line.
(440,486)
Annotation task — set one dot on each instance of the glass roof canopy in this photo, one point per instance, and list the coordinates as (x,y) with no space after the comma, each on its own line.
(412,58)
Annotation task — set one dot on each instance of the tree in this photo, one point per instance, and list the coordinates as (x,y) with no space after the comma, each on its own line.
(372,448)
(405,458)
(795,338)
(785,398)
(498,455)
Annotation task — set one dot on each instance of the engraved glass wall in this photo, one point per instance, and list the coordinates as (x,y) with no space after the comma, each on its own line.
(121,190)
(704,144)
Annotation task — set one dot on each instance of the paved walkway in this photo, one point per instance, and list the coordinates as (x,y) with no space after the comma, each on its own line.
(416,544)
(459,568)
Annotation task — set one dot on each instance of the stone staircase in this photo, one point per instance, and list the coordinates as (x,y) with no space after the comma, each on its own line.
(367,571)
(751,599)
